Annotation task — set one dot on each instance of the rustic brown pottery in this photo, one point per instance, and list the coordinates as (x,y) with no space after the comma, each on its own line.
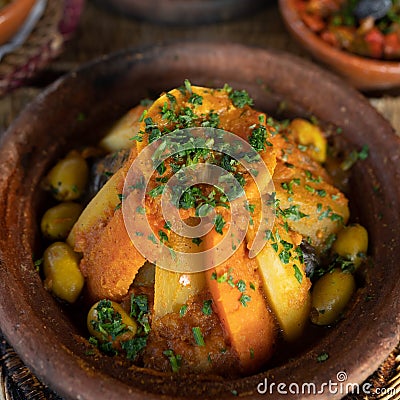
(185,12)
(12,16)
(363,73)
(43,333)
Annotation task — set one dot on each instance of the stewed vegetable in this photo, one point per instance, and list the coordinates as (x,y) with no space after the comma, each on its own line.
(61,270)
(68,178)
(352,243)
(230,317)
(330,296)
(58,221)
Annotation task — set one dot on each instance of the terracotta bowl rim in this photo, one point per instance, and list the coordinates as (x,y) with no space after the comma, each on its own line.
(63,381)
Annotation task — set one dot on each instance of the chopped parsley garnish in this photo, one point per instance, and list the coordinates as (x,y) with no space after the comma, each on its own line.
(188,199)
(157,191)
(353,157)
(196,99)
(74,188)
(167,225)
(219,223)
(293,213)
(227,163)
(188,86)
(288,186)
(140,210)
(152,238)
(251,353)
(284,256)
(258,138)
(152,130)
(174,359)
(240,98)
(244,299)
(143,116)
(140,184)
(226,277)
(212,120)
(364,152)
(109,324)
(140,311)
(182,310)
(309,188)
(197,241)
(37,264)
(269,235)
(297,273)
(241,285)
(133,346)
(163,236)
(322,357)
(286,245)
(198,336)
(146,102)
(328,213)
(207,309)
(311,178)
(161,168)
(172,99)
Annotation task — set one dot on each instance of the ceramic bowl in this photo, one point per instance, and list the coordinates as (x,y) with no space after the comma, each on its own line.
(185,12)
(364,73)
(75,109)
(12,16)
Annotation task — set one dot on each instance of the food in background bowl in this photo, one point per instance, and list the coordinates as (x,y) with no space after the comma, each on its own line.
(333,45)
(230,317)
(352,26)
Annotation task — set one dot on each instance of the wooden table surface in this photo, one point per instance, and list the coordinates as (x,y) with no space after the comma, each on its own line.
(101,32)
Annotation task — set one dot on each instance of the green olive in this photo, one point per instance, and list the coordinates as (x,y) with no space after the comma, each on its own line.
(61,270)
(352,243)
(68,178)
(103,322)
(58,221)
(330,296)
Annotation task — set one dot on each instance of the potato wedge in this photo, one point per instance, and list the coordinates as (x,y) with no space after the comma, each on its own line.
(284,280)
(311,136)
(173,289)
(121,133)
(312,207)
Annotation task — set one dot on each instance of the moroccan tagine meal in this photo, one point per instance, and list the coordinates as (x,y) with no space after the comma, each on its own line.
(270,252)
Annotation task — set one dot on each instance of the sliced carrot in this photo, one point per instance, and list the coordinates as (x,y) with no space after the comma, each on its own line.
(112,263)
(237,295)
